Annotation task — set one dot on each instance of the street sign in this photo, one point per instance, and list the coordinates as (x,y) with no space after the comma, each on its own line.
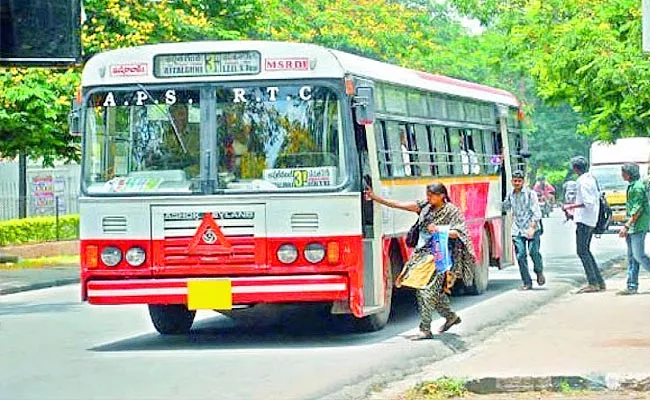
(40,32)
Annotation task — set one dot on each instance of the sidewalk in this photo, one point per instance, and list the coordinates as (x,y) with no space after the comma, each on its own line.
(20,280)
(602,337)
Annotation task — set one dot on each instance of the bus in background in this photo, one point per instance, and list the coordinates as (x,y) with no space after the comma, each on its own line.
(219,175)
(606,162)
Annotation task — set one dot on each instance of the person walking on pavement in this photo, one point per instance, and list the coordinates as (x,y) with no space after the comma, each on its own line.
(585,214)
(526,229)
(436,211)
(636,227)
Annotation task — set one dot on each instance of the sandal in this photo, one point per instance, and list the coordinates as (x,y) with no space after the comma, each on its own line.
(589,289)
(449,323)
(423,335)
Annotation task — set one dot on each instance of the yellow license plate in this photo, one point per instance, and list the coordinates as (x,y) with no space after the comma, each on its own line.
(209,295)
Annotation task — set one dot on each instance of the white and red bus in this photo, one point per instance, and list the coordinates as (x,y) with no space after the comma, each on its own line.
(219,175)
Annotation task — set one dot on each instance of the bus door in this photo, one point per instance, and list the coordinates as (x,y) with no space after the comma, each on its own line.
(374,282)
(507,256)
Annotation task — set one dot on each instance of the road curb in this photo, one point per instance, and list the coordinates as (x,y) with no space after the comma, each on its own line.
(392,384)
(492,385)
(38,285)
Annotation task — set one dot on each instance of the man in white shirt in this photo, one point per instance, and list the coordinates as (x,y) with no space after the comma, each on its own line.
(586,209)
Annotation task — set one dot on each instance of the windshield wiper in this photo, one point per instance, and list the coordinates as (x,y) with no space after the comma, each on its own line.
(169,118)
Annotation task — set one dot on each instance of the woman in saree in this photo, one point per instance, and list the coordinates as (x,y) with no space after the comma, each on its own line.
(436,211)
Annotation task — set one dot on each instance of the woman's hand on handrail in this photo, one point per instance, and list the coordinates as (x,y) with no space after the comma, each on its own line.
(401,205)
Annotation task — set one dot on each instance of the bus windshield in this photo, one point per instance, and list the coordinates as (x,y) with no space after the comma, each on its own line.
(213,140)
(609,177)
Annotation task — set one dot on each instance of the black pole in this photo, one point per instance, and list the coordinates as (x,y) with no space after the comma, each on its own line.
(56,203)
(22,185)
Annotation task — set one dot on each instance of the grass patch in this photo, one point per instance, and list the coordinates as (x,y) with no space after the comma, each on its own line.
(443,388)
(44,262)
(565,387)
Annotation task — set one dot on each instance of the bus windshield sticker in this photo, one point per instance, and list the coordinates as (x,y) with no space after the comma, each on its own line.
(301,177)
(123,184)
(207,64)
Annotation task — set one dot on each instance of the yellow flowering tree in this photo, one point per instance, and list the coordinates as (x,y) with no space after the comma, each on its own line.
(379,29)
(120,23)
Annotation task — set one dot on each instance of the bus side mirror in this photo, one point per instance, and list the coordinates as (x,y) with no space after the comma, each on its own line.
(74,121)
(364,105)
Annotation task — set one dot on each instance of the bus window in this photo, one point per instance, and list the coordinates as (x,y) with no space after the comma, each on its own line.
(277,137)
(437,108)
(424,154)
(492,161)
(441,150)
(472,113)
(382,149)
(379,97)
(417,104)
(487,114)
(475,150)
(398,150)
(454,110)
(468,156)
(456,146)
(136,145)
(395,100)
(413,157)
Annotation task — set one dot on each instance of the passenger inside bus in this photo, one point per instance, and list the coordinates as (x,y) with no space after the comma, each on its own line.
(406,158)
(468,155)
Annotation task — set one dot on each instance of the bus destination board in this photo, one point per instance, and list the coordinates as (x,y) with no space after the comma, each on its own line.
(207,64)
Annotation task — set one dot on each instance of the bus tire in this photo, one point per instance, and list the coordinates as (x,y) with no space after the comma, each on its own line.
(171,319)
(482,269)
(378,321)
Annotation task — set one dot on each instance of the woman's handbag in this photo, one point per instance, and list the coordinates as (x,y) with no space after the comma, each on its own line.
(413,235)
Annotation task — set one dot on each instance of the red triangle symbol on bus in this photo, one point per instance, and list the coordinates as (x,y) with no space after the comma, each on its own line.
(209,233)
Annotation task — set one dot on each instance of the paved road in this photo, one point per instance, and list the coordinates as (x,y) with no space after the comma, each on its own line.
(54,347)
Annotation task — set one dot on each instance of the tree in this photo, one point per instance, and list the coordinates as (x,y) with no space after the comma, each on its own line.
(554,139)
(33,117)
(584,52)
(121,23)
(36,101)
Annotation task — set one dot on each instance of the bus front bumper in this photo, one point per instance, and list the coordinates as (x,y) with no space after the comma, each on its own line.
(219,293)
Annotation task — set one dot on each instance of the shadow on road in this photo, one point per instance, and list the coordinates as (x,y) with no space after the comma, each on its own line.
(291,326)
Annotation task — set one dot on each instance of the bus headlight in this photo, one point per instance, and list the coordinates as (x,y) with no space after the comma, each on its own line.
(135,256)
(111,256)
(314,253)
(287,253)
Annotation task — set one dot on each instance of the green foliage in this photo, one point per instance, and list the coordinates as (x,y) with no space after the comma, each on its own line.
(556,177)
(443,388)
(35,102)
(584,52)
(554,138)
(38,229)
(34,106)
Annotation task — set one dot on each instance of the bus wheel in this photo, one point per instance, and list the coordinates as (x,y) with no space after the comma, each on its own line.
(378,321)
(171,319)
(482,270)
